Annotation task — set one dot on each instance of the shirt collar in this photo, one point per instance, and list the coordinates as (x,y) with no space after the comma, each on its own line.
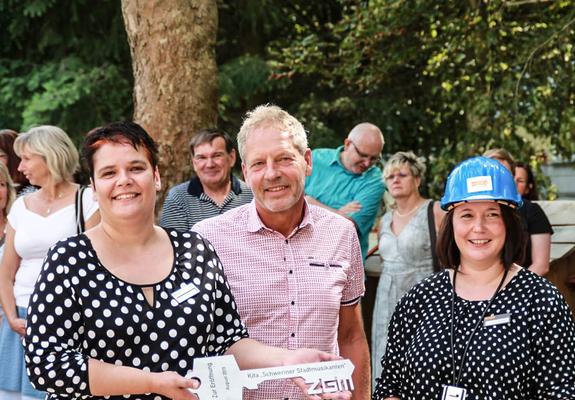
(335,158)
(255,223)
(195,187)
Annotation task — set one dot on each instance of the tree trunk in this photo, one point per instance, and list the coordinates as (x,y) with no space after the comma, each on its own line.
(175,75)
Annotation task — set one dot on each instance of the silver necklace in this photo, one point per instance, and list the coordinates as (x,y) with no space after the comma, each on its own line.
(54,200)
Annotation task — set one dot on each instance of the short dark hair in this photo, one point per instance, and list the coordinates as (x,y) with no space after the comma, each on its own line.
(513,249)
(208,136)
(118,132)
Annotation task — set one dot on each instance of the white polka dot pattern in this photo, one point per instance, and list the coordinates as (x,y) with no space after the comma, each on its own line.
(94,314)
(532,357)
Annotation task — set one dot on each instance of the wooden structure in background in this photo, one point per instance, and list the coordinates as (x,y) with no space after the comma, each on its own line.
(561,214)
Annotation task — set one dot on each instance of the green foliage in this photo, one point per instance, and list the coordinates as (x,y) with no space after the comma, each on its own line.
(445,79)
(246,78)
(241,80)
(63,64)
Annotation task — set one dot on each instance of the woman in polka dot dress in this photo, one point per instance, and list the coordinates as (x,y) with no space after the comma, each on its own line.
(123,310)
(485,328)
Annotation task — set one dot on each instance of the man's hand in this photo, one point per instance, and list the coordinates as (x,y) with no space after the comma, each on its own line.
(303,356)
(350,208)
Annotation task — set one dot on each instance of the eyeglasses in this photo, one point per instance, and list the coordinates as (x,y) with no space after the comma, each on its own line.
(372,159)
(399,175)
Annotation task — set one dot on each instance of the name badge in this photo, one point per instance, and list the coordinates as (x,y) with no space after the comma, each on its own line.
(453,393)
(185,292)
(497,319)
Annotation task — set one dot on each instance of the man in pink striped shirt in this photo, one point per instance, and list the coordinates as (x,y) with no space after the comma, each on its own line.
(295,269)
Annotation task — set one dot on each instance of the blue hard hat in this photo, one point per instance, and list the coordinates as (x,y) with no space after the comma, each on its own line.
(480,178)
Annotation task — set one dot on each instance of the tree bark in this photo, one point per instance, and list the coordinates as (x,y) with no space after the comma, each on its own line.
(175,75)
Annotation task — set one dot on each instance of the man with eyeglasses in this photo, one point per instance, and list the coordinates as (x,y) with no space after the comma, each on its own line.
(213,191)
(347,180)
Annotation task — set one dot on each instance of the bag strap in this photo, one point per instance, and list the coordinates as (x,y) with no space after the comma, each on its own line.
(432,236)
(80,223)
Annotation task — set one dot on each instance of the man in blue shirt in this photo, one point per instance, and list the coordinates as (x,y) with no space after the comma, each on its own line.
(347,180)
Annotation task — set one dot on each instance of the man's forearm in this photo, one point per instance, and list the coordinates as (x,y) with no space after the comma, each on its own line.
(358,352)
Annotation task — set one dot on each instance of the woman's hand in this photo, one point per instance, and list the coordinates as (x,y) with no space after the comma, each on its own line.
(18,325)
(174,386)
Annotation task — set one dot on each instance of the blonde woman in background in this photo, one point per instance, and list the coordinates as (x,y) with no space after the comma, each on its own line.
(404,243)
(36,221)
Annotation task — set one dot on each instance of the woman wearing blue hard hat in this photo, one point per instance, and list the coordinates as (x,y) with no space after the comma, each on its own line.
(485,328)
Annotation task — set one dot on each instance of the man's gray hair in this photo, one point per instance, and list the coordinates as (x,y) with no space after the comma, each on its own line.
(272,116)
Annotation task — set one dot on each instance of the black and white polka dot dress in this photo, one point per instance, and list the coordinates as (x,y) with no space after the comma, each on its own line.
(80,310)
(531,357)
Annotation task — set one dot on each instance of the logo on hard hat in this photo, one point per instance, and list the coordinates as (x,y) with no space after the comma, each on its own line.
(479,184)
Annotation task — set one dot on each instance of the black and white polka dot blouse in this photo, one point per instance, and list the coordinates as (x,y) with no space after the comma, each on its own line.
(531,357)
(80,310)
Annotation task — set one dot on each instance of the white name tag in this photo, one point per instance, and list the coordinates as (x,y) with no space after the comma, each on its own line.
(497,319)
(453,393)
(185,292)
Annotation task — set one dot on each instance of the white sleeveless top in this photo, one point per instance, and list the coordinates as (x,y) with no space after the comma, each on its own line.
(35,234)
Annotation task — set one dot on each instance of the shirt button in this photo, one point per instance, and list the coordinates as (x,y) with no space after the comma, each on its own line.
(293,334)
(286,241)
(291,271)
(293,303)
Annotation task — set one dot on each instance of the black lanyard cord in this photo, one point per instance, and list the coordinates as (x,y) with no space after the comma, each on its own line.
(477,325)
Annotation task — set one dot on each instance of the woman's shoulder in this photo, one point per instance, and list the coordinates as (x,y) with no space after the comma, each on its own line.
(187,239)
(19,202)
(76,242)
(433,283)
(69,257)
(16,210)
(191,249)
(73,245)
(536,288)
(430,289)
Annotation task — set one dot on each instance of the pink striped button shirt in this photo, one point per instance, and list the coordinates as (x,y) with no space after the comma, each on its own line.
(289,290)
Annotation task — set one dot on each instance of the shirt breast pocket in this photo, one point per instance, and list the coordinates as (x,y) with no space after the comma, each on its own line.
(325,280)
(327,273)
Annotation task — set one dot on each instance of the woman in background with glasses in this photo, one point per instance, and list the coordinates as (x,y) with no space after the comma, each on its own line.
(404,243)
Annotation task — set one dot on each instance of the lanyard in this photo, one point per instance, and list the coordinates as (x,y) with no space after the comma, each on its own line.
(457,377)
